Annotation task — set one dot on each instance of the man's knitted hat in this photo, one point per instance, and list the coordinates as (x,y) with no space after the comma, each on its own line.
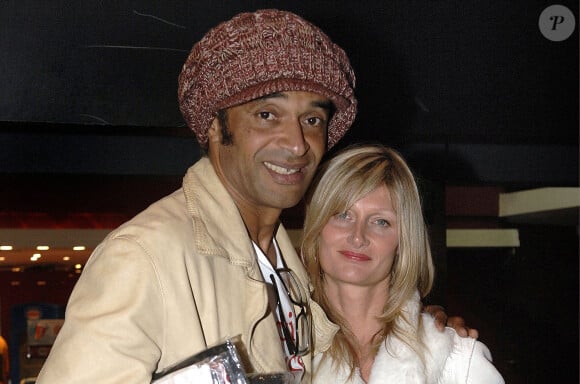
(256,54)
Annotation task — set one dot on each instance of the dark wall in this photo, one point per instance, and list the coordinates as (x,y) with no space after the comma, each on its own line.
(435,69)
(524,301)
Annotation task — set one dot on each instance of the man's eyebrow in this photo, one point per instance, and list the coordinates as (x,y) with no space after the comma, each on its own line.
(272,96)
(327,104)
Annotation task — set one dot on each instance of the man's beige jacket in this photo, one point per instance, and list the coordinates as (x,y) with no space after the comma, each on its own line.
(179,277)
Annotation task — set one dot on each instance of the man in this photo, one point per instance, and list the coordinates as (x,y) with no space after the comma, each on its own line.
(266,93)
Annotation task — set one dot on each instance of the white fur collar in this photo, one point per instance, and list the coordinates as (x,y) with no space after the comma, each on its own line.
(399,364)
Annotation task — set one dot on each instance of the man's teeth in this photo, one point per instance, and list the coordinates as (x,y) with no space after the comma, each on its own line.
(281,170)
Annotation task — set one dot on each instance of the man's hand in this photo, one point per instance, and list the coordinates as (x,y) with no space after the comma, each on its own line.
(455,322)
(462,330)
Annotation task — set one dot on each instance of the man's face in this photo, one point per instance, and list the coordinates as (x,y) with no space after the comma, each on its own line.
(277,143)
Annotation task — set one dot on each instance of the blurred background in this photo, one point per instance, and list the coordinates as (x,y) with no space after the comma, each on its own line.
(481,97)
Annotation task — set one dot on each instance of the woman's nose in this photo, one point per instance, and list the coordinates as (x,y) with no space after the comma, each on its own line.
(358,236)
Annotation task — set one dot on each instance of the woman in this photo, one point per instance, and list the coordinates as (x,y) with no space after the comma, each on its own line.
(367,251)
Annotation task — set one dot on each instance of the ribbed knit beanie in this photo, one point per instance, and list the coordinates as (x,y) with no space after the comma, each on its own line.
(256,54)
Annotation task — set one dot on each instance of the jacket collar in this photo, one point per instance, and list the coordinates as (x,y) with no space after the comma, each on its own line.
(324,330)
(396,362)
(218,227)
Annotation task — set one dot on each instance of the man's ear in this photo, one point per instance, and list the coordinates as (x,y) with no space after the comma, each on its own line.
(214,133)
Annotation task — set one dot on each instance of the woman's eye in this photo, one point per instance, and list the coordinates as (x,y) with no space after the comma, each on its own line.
(342,216)
(382,222)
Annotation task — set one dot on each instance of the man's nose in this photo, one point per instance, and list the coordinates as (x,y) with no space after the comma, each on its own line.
(294,139)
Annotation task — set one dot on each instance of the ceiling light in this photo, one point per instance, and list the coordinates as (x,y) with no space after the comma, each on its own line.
(78,266)
(79,248)
(42,247)
(5,247)
(35,257)
(66,258)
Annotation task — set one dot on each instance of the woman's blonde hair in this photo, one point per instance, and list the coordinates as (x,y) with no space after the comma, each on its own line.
(341,181)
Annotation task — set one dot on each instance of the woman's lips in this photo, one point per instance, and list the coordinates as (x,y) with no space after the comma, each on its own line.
(356,256)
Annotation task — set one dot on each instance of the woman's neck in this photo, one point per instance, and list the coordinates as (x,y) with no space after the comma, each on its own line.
(360,308)
(358,305)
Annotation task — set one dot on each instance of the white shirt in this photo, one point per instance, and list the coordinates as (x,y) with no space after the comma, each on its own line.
(295,363)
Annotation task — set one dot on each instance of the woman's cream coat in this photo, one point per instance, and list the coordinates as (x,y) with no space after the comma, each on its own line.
(450,359)
(177,278)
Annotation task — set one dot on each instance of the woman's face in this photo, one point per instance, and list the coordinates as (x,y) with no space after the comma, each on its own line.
(357,247)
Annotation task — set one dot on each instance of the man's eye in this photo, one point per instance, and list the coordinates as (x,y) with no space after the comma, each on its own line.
(265,115)
(314,121)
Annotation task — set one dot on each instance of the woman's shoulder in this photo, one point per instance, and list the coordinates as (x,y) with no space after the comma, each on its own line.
(465,359)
